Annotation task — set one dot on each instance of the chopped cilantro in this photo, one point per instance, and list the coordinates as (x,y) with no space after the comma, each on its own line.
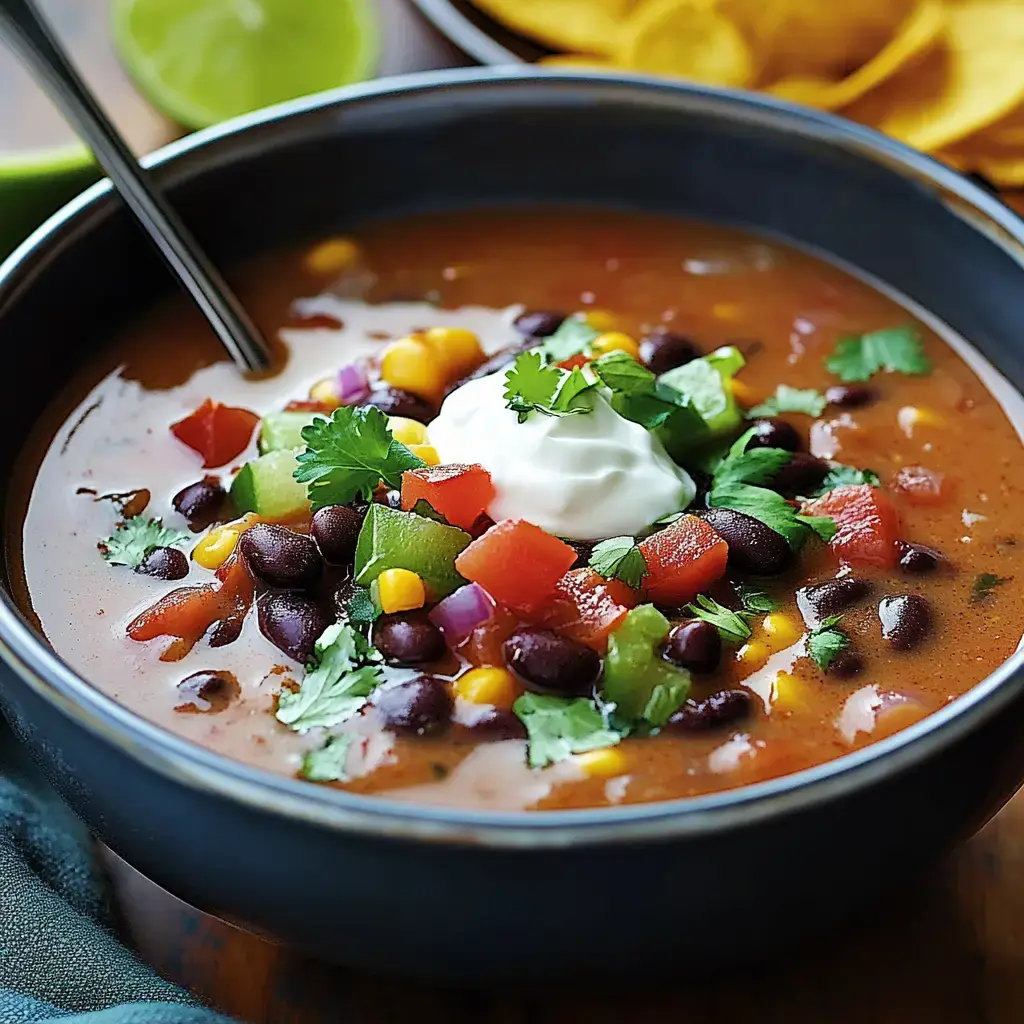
(985,583)
(639,396)
(558,727)
(327,763)
(754,599)
(787,399)
(360,609)
(572,337)
(336,686)
(135,537)
(731,625)
(348,455)
(531,386)
(895,350)
(619,558)
(825,641)
(841,476)
(735,486)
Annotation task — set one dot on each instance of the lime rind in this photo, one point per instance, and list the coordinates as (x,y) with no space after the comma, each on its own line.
(48,162)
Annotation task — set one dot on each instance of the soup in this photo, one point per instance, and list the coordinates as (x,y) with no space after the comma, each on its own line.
(540,510)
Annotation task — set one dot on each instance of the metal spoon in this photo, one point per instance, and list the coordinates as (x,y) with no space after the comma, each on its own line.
(22,27)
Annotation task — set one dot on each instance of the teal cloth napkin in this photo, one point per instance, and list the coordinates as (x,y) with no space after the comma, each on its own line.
(60,956)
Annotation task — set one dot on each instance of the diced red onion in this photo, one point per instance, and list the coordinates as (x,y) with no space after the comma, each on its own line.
(460,613)
(353,384)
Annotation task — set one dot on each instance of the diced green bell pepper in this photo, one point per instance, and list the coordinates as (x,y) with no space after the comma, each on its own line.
(282,431)
(390,539)
(267,487)
(640,683)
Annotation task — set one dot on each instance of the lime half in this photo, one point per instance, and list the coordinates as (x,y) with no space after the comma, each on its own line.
(203,61)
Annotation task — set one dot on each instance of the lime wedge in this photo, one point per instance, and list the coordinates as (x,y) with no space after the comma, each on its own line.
(203,61)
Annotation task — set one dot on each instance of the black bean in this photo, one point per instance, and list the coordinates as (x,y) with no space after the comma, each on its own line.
(584,549)
(776,434)
(207,692)
(663,350)
(830,598)
(164,564)
(850,396)
(291,622)
(802,475)
(695,645)
(538,324)
(918,559)
(702,481)
(408,638)
(846,663)
(495,724)
(336,530)
(421,705)
(396,402)
(200,503)
(502,358)
(753,547)
(906,620)
(549,663)
(719,709)
(281,557)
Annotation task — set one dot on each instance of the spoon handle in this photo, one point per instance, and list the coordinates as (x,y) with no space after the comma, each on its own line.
(31,39)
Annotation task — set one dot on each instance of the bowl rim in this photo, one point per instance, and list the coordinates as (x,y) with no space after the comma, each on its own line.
(467,36)
(195,767)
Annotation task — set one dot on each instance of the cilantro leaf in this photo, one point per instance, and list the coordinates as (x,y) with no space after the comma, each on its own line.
(621,373)
(757,466)
(360,609)
(841,476)
(787,399)
(425,509)
(135,537)
(570,397)
(336,686)
(706,383)
(985,583)
(531,386)
(557,727)
(619,558)
(825,641)
(895,350)
(327,763)
(731,625)
(348,455)
(754,599)
(571,338)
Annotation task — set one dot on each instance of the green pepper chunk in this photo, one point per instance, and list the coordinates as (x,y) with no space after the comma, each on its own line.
(390,539)
(640,683)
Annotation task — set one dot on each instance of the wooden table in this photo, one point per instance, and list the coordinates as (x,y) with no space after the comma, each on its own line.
(948,950)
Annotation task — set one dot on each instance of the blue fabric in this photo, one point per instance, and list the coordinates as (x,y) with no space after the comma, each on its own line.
(60,956)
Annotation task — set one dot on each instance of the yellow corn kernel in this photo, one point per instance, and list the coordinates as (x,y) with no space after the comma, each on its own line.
(615,341)
(753,653)
(218,545)
(411,365)
(326,393)
(456,348)
(747,396)
(407,431)
(494,686)
(728,311)
(332,256)
(427,452)
(400,590)
(911,417)
(603,763)
(788,693)
(780,630)
(599,319)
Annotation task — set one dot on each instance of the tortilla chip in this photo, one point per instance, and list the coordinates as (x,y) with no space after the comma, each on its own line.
(1008,131)
(1002,165)
(919,33)
(586,26)
(583,61)
(687,39)
(956,89)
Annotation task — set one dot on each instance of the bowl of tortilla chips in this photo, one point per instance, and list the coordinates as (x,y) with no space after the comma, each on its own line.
(945,76)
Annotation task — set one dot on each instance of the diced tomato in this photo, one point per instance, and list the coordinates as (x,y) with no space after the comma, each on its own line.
(517,563)
(922,486)
(587,607)
(483,648)
(868,524)
(460,493)
(218,432)
(188,612)
(682,560)
(307,405)
(573,361)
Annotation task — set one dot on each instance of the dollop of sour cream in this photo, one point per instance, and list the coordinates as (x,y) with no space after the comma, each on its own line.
(582,477)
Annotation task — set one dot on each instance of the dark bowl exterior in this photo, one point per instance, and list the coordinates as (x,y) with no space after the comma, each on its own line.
(486,897)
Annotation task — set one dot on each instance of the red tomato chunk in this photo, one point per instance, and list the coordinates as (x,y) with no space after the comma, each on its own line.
(587,607)
(682,560)
(868,524)
(460,493)
(517,563)
(219,433)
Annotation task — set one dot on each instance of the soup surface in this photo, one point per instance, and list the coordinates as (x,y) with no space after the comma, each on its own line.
(811,506)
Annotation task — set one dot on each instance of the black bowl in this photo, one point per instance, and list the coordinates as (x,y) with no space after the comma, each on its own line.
(472,896)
